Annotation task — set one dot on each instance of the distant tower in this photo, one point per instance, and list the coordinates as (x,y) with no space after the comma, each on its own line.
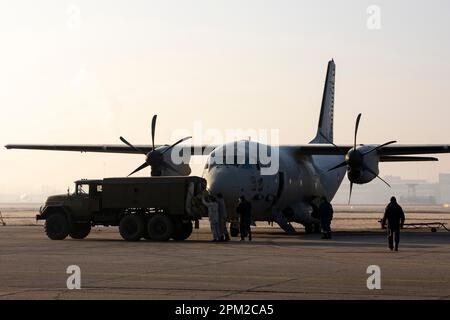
(444,188)
(412,192)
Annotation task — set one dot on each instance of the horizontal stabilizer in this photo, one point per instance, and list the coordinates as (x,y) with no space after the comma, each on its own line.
(406,159)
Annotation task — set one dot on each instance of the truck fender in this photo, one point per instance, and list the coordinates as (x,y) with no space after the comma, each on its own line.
(48,211)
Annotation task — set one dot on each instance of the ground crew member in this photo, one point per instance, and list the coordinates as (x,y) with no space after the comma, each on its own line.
(244,210)
(395,218)
(213,214)
(223,216)
(326,215)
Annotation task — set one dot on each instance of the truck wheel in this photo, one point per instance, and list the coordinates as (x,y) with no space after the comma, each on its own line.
(182,231)
(160,227)
(146,236)
(80,230)
(57,227)
(131,227)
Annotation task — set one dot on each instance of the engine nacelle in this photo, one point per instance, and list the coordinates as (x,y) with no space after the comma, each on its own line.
(165,163)
(362,166)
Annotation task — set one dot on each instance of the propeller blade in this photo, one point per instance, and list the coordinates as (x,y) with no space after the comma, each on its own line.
(372,172)
(384,181)
(338,166)
(153,131)
(350,194)
(379,147)
(142,166)
(330,142)
(176,143)
(131,146)
(356,129)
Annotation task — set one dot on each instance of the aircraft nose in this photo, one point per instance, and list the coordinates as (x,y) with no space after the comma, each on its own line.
(225,182)
(233,182)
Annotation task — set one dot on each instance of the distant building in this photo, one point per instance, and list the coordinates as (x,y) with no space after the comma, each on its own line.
(408,191)
(444,188)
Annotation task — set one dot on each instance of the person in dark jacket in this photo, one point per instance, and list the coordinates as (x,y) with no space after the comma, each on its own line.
(326,215)
(244,209)
(395,218)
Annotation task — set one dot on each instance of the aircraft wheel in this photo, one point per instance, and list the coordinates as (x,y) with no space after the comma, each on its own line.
(317,228)
(309,228)
(234,230)
(57,226)
(131,227)
(160,227)
(80,230)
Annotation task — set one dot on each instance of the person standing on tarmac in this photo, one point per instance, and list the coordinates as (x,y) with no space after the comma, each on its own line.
(223,216)
(395,218)
(326,215)
(213,214)
(244,209)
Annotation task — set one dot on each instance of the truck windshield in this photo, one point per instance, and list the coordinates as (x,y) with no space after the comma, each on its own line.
(80,190)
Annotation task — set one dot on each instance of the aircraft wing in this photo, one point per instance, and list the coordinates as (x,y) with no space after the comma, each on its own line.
(306,149)
(104,148)
(391,150)
(394,150)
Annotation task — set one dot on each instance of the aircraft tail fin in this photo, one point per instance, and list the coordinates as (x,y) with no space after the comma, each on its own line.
(325,127)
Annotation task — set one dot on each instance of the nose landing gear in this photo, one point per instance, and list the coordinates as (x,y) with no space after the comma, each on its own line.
(234,229)
(312,228)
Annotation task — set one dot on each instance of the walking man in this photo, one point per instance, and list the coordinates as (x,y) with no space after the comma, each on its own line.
(395,218)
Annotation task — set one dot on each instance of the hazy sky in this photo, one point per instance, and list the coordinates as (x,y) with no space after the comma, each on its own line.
(90,71)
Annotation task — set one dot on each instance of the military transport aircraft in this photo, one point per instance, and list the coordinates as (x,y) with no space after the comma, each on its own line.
(305,173)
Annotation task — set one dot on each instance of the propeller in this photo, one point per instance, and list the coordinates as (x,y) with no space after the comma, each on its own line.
(155,158)
(354,159)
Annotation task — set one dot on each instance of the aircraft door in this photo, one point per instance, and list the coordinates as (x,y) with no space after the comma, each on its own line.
(280,186)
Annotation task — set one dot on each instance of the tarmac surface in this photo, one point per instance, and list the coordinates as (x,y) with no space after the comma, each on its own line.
(273,266)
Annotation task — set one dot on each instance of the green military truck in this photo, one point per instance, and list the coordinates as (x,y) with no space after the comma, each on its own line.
(155,208)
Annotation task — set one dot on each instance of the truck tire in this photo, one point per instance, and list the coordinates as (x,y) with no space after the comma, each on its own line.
(131,227)
(182,231)
(80,230)
(146,236)
(57,226)
(160,227)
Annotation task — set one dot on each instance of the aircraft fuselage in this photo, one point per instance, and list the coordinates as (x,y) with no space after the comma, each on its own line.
(298,182)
